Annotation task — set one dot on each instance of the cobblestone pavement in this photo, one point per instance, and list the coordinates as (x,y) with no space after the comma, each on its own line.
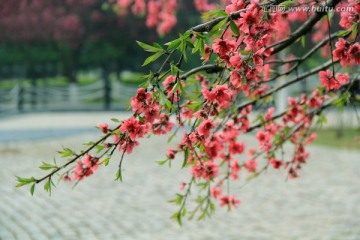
(322,204)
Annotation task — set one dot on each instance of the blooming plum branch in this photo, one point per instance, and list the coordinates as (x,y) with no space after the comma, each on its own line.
(230,94)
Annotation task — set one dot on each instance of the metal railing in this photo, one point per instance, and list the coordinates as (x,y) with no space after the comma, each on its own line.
(95,96)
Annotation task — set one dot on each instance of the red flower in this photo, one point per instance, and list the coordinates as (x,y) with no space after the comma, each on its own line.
(134,129)
(215,192)
(341,52)
(170,153)
(141,99)
(229,201)
(222,47)
(276,163)
(251,165)
(263,137)
(354,53)
(327,80)
(104,127)
(205,127)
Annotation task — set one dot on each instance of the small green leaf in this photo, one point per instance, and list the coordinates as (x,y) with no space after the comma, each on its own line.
(234,28)
(176,87)
(186,156)
(148,48)
(343,33)
(24,181)
(66,153)
(214,14)
(173,44)
(99,148)
(189,44)
(164,100)
(354,30)
(177,216)
(218,27)
(105,161)
(162,162)
(174,69)
(88,143)
(115,120)
(32,189)
(47,186)
(118,175)
(303,41)
(47,166)
(183,213)
(152,58)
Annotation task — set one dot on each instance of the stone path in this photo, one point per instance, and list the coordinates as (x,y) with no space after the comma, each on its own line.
(323,204)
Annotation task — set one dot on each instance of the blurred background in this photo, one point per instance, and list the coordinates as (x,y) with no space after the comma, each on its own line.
(80,52)
(66,65)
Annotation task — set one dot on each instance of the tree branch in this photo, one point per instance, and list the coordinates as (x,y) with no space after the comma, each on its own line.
(206,27)
(292,81)
(209,68)
(305,28)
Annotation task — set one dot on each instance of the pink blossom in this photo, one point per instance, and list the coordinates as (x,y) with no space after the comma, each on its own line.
(205,127)
(311,138)
(229,201)
(251,165)
(170,153)
(134,128)
(222,47)
(104,127)
(263,137)
(276,163)
(215,192)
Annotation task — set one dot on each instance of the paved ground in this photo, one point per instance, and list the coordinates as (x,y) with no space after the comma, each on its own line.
(323,204)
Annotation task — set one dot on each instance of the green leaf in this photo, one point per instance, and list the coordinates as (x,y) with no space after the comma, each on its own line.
(162,162)
(177,216)
(343,33)
(47,186)
(148,48)
(152,58)
(47,166)
(303,41)
(88,143)
(99,148)
(173,44)
(176,87)
(186,156)
(106,161)
(218,27)
(115,120)
(183,213)
(164,100)
(234,28)
(24,181)
(354,30)
(32,189)
(66,153)
(118,175)
(174,69)
(214,14)
(178,199)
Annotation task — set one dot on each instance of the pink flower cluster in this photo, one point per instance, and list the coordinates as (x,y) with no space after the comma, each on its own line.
(86,167)
(349,18)
(346,52)
(160,13)
(330,82)
(147,118)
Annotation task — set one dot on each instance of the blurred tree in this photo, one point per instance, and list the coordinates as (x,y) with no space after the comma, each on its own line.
(78,34)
